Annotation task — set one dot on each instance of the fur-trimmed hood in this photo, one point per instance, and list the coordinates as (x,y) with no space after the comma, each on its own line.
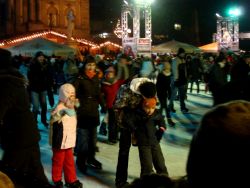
(135,83)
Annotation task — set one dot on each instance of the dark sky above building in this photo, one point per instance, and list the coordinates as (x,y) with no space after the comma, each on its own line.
(165,13)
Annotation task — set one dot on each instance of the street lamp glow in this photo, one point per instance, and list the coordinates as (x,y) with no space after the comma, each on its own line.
(141,2)
(125,2)
(234,12)
(177,26)
(218,15)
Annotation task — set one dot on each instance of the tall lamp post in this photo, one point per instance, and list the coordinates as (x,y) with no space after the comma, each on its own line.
(228,30)
(140,45)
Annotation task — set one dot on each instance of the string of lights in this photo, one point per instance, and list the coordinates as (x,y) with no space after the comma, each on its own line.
(110,43)
(118,29)
(10,42)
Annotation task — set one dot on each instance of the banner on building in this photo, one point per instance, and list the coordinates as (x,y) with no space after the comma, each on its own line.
(144,47)
(129,47)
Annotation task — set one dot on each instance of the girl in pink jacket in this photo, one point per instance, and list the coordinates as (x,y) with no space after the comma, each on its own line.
(63,138)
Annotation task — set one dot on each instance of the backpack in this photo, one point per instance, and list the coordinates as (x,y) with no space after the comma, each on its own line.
(125,100)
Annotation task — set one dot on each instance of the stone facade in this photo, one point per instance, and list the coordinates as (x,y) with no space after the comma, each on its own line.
(24,16)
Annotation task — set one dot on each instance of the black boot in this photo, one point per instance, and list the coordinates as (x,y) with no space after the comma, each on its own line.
(171,109)
(76,184)
(170,122)
(184,110)
(121,184)
(94,163)
(58,184)
(103,129)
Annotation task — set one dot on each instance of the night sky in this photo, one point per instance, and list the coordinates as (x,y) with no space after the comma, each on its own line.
(165,13)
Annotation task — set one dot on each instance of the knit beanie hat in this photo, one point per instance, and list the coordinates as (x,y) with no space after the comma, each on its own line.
(39,53)
(148,89)
(149,102)
(180,51)
(65,91)
(89,59)
(5,58)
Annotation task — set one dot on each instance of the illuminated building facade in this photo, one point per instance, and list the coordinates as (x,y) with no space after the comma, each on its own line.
(24,16)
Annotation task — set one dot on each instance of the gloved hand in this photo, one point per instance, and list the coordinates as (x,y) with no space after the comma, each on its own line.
(77,103)
(159,133)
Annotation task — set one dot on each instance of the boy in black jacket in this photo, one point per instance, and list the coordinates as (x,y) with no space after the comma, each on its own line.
(149,125)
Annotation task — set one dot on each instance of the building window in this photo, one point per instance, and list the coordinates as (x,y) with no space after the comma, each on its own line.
(69,16)
(52,16)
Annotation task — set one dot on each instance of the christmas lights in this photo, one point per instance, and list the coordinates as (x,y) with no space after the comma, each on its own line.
(11,42)
(118,29)
(110,43)
(228,33)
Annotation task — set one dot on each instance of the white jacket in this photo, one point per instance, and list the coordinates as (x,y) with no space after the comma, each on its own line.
(63,124)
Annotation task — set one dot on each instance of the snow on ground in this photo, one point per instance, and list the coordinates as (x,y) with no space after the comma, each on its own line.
(175,146)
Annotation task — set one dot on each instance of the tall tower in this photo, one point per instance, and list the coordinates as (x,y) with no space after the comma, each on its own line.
(140,45)
(228,33)
(228,30)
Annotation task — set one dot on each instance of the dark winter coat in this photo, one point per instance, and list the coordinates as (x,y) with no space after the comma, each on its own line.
(194,69)
(235,91)
(217,77)
(88,93)
(239,86)
(182,69)
(40,76)
(18,126)
(163,85)
(145,127)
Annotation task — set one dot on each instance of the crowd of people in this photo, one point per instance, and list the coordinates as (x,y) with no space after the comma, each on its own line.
(128,92)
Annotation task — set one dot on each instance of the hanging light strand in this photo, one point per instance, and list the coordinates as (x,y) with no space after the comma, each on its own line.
(57,34)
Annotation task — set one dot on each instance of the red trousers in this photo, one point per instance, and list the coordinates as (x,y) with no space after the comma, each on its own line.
(63,161)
